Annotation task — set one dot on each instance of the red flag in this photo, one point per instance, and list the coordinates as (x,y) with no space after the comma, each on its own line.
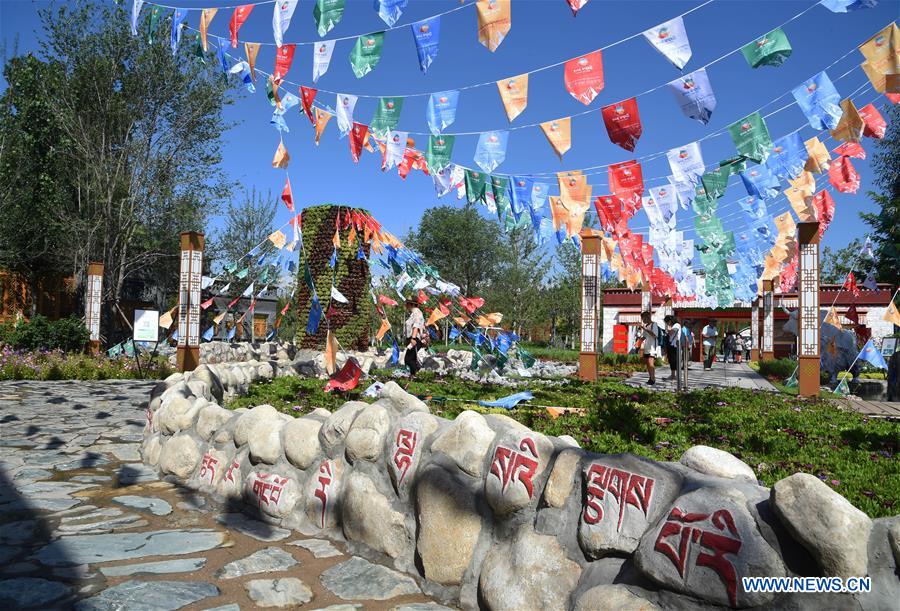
(609,211)
(843,175)
(584,76)
(623,123)
(852,314)
(824,205)
(422,297)
(470,304)
(286,307)
(307,95)
(207,303)
(234,301)
(789,275)
(347,378)
(893,97)
(386,300)
(626,181)
(238,17)
(284,55)
(357,139)
(851,149)
(409,159)
(286,196)
(576,5)
(874,124)
(850,285)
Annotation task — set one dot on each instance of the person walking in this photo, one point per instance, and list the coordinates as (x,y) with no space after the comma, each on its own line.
(649,345)
(673,334)
(738,349)
(415,331)
(728,346)
(709,335)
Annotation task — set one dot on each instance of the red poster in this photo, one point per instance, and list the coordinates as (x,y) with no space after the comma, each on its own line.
(627,182)
(357,139)
(874,124)
(307,95)
(843,175)
(284,55)
(584,76)
(623,123)
(238,17)
(824,205)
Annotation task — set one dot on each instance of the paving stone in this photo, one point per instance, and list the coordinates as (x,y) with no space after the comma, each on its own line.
(268,560)
(89,461)
(358,579)
(284,592)
(253,528)
(320,548)
(92,479)
(231,607)
(89,549)
(136,473)
(120,523)
(180,565)
(148,596)
(31,592)
(156,506)
(31,474)
(16,533)
(421,607)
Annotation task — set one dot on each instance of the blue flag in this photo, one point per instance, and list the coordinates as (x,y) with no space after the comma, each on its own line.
(315,315)
(208,334)
(178,18)
(842,6)
(508,402)
(333,261)
(230,335)
(755,207)
(278,121)
(760,182)
(870,354)
(819,101)
(787,157)
(491,150)
(427,34)
(503,343)
(220,54)
(360,254)
(390,10)
(395,354)
(441,111)
(454,333)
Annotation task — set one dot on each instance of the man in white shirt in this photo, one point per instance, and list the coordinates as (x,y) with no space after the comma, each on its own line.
(709,334)
(649,331)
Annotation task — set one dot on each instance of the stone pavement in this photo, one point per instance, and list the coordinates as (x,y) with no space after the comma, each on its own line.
(722,375)
(84,525)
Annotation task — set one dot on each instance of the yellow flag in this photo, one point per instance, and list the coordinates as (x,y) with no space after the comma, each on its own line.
(494,21)
(331,350)
(573,187)
(278,239)
(892,314)
(206,16)
(850,127)
(436,315)
(833,319)
(514,93)
(785,224)
(882,65)
(336,239)
(559,133)
(281,158)
(490,320)
(461,320)
(384,328)
(322,118)
(251,49)
(819,157)
(166,320)
(805,182)
(219,317)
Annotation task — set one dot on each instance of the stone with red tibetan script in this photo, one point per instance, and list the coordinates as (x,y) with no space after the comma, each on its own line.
(320,494)
(518,460)
(271,493)
(404,449)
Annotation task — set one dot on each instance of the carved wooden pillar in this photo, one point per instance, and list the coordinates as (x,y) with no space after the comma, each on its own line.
(590,304)
(768,327)
(188,354)
(754,329)
(808,312)
(646,301)
(92,304)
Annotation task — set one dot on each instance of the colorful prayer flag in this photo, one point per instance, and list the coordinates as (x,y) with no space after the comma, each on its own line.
(850,127)
(284,56)
(440,148)
(686,162)
(751,137)
(874,125)
(427,34)
(357,137)
(321,58)
(770,50)
(670,39)
(494,21)
(366,53)
(694,95)
(475,186)
(390,10)
(287,196)
(238,17)
(514,94)
(441,111)
(387,116)
(623,123)
(491,150)
(281,19)
(322,118)
(843,176)
(327,14)
(559,133)
(584,76)
(345,105)
(819,101)
(136,6)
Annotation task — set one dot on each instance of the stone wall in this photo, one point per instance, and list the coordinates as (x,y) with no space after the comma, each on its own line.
(487,513)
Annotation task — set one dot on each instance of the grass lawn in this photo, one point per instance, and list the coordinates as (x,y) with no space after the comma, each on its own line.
(776,434)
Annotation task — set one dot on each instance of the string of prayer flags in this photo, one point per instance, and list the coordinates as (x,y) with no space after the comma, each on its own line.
(818,156)
(773,49)
(427,34)
(694,95)
(623,123)
(358,136)
(559,134)
(850,127)
(494,22)
(345,105)
(626,181)
(390,10)
(322,118)
(686,162)
(882,65)
(281,20)
(321,58)
(387,116)
(366,53)
(440,149)
(284,57)
(178,17)
(238,17)
(514,94)
(327,13)
(491,150)
(751,137)
(441,110)
(278,239)
(136,12)
(843,176)
(874,125)
(475,186)
(670,39)
(251,50)
(287,196)
(584,76)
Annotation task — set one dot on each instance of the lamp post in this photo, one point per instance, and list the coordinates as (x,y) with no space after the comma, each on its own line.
(768,330)
(590,297)
(188,353)
(92,304)
(808,311)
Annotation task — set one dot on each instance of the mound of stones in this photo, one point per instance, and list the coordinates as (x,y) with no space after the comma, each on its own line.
(486,513)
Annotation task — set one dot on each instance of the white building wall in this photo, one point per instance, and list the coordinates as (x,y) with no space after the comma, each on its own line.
(610,314)
(875,321)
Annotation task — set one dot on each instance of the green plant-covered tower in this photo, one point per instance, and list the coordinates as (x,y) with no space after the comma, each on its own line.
(350,275)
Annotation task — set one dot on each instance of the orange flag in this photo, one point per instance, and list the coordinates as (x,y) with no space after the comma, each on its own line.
(322,118)
(805,182)
(892,314)
(384,328)
(494,21)
(850,127)
(437,314)
(801,204)
(490,320)
(206,17)
(278,239)
(882,65)
(281,158)
(461,320)
(514,93)
(336,239)
(559,133)
(832,318)
(331,350)
(573,187)
(819,157)
(252,50)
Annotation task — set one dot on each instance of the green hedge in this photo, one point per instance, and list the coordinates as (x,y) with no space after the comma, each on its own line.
(777,368)
(39,333)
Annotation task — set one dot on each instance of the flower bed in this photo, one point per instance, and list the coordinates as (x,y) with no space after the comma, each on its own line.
(59,365)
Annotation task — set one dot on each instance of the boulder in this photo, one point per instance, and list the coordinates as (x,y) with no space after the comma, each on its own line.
(249,420)
(527,571)
(176,414)
(271,493)
(402,401)
(301,441)
(612,598)
(404,448)
(265,371)
(212,467)
(322,493)
(894,540)
(179,456)
(834,532)
(466,441)
(562,477)
(449,526)
(718,463)
(265,440)
(210,419)
(367,517)
(200,389)
(336,427)
(365,441)
(231,484)
(150,449)
(518,462)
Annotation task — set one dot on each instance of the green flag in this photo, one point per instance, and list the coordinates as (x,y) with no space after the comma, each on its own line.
(440,148)
(525,357)
(770,50)
(703,203)
(387,116)
(327,14)
(366,53)
(475,185)
(791,382)
(198,50)
(734,166)
(751,137)
(155,16)
(476,358)
(500,189)
(715,182)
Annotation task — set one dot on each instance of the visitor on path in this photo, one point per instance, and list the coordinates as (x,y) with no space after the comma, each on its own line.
(738,348)
(673,334)
(728,346)
(649,345)
(747,349)
(415,331)
(709,334)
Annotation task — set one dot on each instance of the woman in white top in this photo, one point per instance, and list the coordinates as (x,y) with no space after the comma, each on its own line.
(649,345)
(415,331)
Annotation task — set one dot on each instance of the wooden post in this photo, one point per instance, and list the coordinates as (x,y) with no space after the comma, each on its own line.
(92,304)
(808,355)
(754,329)
(590,297)
(768,326)
(188,353)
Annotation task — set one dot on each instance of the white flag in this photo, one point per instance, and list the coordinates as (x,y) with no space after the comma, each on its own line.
(694,94)
(321,58)
(281,20)
(135,13)
(206,282)
(248,291)
(671,40)
(345,105)
(686,163)
(666,203)
(443,180)
(395,147)
(336,295)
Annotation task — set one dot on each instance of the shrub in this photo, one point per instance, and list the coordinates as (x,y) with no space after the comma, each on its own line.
(778,368)
(39,333)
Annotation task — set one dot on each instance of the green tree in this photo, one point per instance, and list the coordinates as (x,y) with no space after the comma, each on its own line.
(886,222)
(563,296)
(517,284)
(836,264)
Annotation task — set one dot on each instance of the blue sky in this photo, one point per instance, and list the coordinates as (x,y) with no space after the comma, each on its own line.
(543,32)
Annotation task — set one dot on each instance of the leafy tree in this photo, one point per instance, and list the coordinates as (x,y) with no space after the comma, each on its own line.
(564,296)
(248,223)
(886,222)
(836,264)
(517,282)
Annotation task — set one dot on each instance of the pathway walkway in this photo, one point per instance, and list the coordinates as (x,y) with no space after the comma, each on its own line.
(722,375)
(84,525)
(878,409)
